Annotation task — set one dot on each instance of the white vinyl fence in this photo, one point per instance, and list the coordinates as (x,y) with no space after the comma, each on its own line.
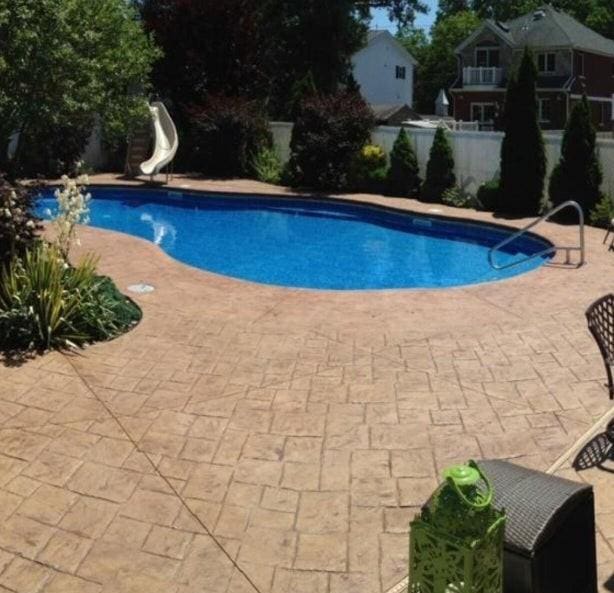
(476,154)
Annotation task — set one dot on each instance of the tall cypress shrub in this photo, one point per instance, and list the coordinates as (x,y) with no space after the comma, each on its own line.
(403,177)
(440,175)
(578,175)
(523,157)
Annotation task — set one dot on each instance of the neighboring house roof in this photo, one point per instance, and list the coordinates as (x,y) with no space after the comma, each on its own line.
(374,34)
(386,112)
(547,28)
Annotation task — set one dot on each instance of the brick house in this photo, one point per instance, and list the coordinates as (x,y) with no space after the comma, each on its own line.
(571,59)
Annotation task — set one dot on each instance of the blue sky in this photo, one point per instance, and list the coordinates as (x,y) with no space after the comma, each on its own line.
(380,18)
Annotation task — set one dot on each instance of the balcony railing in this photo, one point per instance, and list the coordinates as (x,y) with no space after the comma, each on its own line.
(482,76)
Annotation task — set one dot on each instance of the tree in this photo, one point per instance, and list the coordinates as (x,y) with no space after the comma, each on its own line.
(63,64)
(440,168)
(437,62)
(578,175)
(601,18)
(267,45)
(315,38)
(403,175)
(523,159)
(596,14)
(447,8)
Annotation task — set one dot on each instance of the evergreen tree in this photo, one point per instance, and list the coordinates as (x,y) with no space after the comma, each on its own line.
(440,168)
(578,175)
(403,175)
(523,157)
(302,89)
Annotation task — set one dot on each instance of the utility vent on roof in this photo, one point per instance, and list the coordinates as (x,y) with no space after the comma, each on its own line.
(538,15)
(503,26)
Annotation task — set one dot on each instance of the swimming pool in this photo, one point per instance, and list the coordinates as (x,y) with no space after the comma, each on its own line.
(306,243)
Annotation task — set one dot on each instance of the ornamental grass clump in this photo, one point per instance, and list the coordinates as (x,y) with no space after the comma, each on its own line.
(45,301)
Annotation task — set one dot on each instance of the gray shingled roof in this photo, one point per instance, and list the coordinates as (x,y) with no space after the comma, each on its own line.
(555,29)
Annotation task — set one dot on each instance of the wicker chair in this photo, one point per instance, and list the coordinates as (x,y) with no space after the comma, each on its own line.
(600,317)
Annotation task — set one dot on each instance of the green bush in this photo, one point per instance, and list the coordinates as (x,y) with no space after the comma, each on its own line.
(602,213)
(403,175)
(19,227)
(440,175)
(370,169)
(489,196)
(46,303)
(454,196)
(578,175)
(64,66)
(523,157)
(327,136)
(227,133)
(267,166)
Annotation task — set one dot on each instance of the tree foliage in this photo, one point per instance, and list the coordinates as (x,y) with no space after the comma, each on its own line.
(596,14)
(437,62)
(523,159)
(259,48)
(403,174)
(440,175)
(227,132)
(63,64)
(578,175)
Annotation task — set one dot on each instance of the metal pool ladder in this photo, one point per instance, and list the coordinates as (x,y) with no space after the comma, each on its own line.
(548,250)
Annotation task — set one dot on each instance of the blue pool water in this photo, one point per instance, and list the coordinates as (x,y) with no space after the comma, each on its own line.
(305,243)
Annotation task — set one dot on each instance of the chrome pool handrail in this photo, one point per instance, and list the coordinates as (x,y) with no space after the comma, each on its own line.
(548,250)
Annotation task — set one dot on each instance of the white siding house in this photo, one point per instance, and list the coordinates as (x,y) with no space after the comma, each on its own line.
(384,69)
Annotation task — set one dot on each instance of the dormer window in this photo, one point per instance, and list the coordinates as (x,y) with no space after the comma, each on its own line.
(546,62)
(487,57)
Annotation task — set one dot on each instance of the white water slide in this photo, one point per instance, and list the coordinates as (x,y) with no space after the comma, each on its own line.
(166,141)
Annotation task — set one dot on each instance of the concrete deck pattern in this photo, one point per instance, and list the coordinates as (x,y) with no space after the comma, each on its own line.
(251,438)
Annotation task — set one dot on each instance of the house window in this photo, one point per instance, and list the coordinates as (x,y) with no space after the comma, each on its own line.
(487,57)
(483,112)
(545,110)
(581,64)
(401,72)
(546,62)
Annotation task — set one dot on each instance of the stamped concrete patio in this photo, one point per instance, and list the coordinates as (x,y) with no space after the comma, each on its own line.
(251,438)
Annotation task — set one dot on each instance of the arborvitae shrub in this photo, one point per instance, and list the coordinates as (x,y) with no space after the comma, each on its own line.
(327,136)
(523,157)
(440,175)
(578,175)
(403,174)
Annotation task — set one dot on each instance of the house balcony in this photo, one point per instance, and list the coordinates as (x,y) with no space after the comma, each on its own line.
(482,76)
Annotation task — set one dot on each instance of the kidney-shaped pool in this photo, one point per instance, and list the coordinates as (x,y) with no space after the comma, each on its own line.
(305,243)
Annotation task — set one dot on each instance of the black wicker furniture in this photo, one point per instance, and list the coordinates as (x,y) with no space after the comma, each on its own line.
(600,318)
(550,530)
